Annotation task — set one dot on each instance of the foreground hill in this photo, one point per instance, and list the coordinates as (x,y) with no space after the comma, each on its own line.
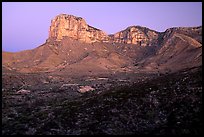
(156,106)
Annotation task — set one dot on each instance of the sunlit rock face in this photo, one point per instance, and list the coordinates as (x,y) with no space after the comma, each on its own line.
(135,35)
(75,27)
(71,26)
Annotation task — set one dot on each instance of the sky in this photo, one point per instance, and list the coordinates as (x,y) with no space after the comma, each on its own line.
(25,25)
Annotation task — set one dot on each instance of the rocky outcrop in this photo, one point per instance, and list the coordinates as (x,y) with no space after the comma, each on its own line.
(135,35)
(193,32)
(75,27)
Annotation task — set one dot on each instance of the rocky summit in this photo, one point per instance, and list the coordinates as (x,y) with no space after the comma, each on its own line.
(136,35)
(74,27)
(82,81)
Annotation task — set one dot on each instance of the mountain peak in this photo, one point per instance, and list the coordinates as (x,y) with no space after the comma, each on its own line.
(64,25)
(67,16)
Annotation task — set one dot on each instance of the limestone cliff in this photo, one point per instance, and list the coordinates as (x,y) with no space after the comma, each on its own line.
(71,26)
(75,27)
(135,35)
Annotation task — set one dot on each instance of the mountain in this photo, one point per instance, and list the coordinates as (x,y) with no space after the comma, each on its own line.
(180,48)
(136,35)
(75,46)
(82,81)
(75,27)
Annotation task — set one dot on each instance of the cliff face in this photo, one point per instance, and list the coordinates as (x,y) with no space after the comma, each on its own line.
(135,35)
(75,27)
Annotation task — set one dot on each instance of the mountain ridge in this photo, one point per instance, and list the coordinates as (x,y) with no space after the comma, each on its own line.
(72,41)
